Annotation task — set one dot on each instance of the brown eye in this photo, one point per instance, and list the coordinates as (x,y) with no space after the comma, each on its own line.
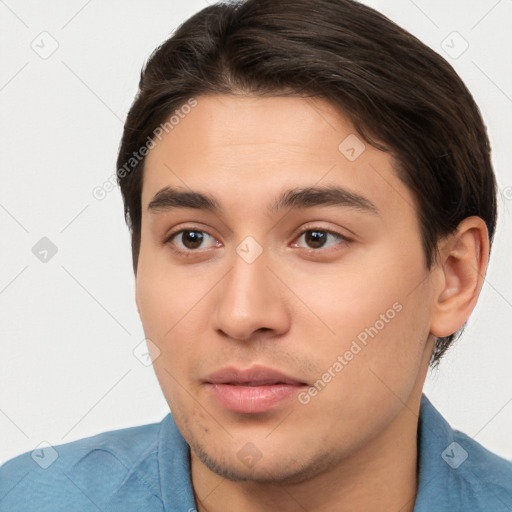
(315,239)
(188,240)
(191,239)
(319,238)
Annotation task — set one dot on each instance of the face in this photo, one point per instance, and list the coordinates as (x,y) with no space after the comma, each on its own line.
(289,303)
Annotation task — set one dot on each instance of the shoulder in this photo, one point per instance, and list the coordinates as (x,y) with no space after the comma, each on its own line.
(456,472)
(486,475)
(81,474)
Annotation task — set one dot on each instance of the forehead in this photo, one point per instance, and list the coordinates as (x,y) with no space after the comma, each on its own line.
(239,147)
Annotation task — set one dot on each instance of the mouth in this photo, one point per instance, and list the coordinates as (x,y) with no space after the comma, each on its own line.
(253,390)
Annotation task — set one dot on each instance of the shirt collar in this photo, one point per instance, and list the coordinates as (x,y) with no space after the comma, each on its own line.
(174,469)
(435,438)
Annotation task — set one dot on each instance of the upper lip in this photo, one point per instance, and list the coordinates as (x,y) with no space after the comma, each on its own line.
(253,376)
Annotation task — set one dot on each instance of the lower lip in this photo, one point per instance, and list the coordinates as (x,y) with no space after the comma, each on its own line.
(252,399)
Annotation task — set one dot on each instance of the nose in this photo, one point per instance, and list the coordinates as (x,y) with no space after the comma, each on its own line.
(251,301)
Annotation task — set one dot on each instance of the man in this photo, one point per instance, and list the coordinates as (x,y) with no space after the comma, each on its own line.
(311,202)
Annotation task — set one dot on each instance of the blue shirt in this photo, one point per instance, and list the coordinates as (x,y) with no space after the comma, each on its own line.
(147,468)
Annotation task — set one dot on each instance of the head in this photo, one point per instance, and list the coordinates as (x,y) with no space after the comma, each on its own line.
(265,120)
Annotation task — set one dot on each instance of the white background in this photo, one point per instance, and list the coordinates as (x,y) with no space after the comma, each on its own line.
(70,325)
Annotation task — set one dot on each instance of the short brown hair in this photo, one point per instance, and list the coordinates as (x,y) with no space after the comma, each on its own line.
(402,97)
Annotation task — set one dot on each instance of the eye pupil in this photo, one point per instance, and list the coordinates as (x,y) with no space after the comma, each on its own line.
(316,238)
(191,239)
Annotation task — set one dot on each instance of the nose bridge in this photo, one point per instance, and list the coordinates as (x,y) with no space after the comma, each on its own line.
(249,298)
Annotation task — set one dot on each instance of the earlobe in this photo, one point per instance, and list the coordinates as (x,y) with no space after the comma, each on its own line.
(462,261)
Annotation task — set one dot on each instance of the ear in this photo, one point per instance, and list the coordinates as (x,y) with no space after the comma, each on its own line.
(462,262)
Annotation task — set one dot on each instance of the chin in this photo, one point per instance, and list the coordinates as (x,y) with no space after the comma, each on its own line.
(277,469)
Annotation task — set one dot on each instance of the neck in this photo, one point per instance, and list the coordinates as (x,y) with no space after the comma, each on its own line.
(381,475)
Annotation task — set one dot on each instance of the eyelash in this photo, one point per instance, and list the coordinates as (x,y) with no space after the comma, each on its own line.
(193,252)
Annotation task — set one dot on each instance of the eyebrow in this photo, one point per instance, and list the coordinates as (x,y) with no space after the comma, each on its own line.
(169,198)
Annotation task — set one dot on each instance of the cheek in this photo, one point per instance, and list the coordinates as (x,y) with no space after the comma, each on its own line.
(169,321)
(166,319)
(378,316)
(169,296)
(370,368)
